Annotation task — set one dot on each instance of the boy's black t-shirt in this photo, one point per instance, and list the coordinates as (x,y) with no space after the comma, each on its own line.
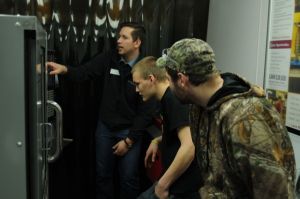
(176,115)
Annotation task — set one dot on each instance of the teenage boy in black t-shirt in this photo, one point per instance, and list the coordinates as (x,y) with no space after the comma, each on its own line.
(181,177)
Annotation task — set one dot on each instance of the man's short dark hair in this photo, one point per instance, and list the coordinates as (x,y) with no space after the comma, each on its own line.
(194,79)
(138,32)
(172,73)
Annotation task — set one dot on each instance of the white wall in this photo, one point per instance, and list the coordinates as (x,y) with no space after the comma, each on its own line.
(237,31)
(296,144)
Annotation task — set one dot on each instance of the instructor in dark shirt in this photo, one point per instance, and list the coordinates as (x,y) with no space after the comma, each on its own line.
(123,115)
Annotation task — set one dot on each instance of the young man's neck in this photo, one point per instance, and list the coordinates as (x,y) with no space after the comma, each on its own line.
(131,56)
(161,88)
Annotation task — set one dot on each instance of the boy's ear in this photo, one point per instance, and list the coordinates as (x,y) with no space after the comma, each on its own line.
(151,78)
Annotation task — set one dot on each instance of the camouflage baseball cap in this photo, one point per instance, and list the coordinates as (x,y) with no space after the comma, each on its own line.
(190,56)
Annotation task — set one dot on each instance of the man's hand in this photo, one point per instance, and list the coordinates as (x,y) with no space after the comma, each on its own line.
(151,154)
(56,68)
(120,148)
(161,192)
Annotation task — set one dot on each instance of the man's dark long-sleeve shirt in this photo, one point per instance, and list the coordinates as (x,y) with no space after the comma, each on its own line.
(121,107)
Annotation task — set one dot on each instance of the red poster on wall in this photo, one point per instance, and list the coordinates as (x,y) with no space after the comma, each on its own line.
(282,79)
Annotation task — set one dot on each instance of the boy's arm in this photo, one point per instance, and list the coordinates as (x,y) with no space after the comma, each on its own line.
(181,162)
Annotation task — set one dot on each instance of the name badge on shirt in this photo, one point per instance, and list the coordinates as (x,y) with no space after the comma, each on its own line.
(114,71)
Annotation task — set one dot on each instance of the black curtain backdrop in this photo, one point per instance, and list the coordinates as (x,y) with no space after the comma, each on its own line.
(77,31)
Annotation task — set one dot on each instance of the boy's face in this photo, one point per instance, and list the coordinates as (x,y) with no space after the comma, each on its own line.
(144,87)
(125,42)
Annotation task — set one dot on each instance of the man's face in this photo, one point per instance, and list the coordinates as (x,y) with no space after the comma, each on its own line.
(178,90)
(125,42)
(143,86)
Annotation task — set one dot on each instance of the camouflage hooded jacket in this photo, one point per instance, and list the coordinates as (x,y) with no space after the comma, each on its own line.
(243,148)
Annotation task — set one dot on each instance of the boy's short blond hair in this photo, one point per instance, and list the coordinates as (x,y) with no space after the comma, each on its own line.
(147,66)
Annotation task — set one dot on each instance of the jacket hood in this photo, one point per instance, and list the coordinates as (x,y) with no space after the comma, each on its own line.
(234,86)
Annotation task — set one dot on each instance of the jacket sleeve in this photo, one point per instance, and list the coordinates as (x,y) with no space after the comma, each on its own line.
(263,158)
(88,71)
(143,119)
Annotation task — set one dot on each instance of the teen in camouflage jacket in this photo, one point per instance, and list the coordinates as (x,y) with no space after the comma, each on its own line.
(242,146)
